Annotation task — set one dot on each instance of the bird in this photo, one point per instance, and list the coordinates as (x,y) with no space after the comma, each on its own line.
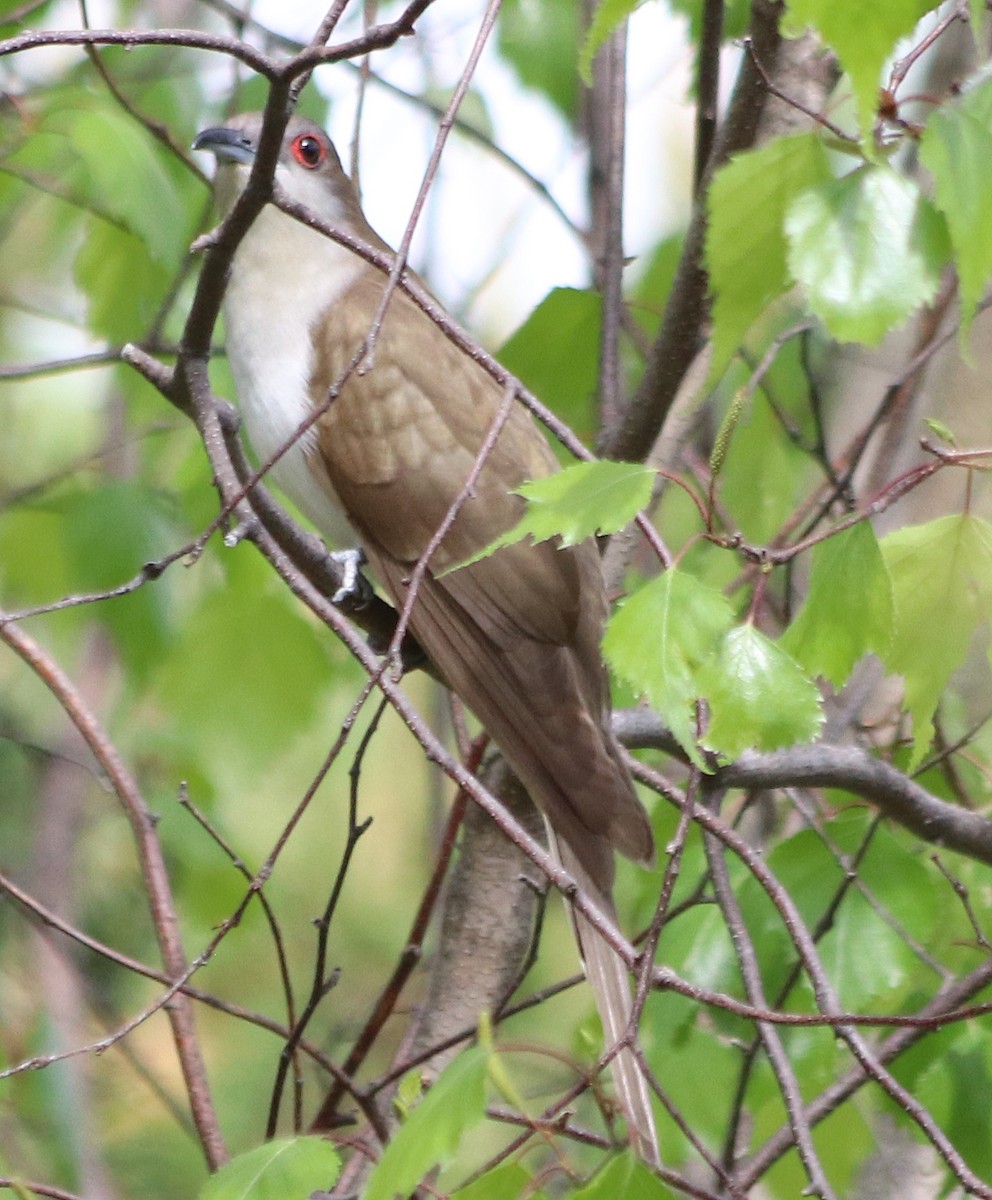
(515,634)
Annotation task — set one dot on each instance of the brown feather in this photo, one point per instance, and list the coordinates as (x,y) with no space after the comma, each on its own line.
(516,634)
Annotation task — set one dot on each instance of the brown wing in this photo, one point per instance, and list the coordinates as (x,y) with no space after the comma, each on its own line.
(517,634)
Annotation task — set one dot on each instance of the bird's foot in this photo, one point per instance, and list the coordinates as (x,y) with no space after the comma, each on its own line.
(354,592)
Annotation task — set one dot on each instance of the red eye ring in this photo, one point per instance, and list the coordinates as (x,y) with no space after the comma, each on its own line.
(308,150)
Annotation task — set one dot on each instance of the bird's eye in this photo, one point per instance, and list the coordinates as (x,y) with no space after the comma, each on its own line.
(309,151)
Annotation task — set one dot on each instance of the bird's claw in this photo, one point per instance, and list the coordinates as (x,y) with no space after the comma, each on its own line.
(355,592)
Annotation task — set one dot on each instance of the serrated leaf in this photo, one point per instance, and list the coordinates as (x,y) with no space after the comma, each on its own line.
(658,640)
(863,37)
(745,241)
(868,249)
(624,1176)
(585,499)
(848,611)
(759,697)
(434,1130)
(956,148)
(582,500)
(285,1169)
(608,15)
(941,576)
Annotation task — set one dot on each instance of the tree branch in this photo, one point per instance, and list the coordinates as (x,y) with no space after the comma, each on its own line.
(849,768)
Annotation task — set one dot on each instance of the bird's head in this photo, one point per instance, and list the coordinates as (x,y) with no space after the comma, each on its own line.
(308,168)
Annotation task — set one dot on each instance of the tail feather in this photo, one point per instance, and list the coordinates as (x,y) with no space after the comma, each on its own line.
(610,982)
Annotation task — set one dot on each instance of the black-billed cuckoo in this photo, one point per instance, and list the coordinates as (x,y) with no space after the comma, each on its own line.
(516,635)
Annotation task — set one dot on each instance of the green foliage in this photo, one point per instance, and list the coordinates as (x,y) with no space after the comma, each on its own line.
(432,1133)
(101,160)
(941,575)
(746,248)
(287,1169)
(214,681)
(270,650)
(609,14)
(758,437)
(956,148)
(863,37)
(758,696)
(868,249)
(122,282)
(540,40)
(848,610)
(659,640)
(555,352)
(582,500)
(624,1176)
(508,1181)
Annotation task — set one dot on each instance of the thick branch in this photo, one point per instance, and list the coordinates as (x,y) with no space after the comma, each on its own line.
(680,336)
(847,767)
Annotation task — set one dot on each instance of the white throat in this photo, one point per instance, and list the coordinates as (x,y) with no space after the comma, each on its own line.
(285,277)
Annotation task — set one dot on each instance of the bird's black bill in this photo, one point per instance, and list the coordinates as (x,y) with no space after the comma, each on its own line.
(231,144)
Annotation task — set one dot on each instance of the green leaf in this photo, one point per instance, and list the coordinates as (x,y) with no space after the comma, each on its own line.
(433,1132)
(540,41)
(122,168)
(275,661)
(658,640)
(759,697)
(976,19)
(608,15)
(868,250)
(956,148)
(555,352)
(624,1176)
(116,170)
(408,1092)
(863,36)
(109,534)
(578,502)
(745,242)
(758,437)
(848,611)
(941,576)
(971,1091)
(286,1169)
(940,430)
(508,1181)
(123,284)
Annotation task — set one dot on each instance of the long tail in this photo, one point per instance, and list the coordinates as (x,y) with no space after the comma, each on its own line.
(610,982)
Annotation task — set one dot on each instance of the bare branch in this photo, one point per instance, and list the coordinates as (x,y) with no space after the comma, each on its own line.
(156,878)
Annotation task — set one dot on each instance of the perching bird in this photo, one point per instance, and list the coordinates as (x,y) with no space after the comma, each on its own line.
(515,635)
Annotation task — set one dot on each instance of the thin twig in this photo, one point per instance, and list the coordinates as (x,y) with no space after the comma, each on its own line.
(155,874)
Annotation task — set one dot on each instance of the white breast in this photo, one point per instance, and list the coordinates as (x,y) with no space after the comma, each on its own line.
(284,278)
